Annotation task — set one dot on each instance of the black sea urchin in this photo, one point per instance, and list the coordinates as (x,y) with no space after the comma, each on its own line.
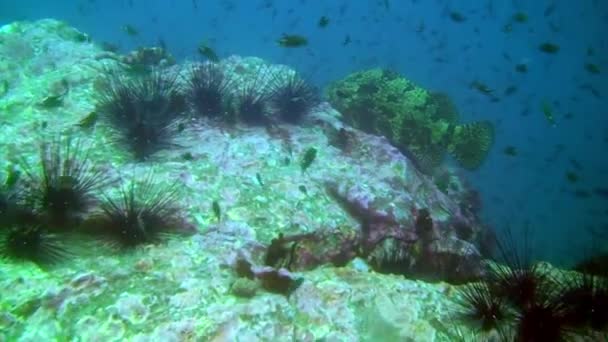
(63,187)
(208,90)
(293,98)
(253,105)
(33,243)
(519,280)
(141,213)
(143,110)
(482,310)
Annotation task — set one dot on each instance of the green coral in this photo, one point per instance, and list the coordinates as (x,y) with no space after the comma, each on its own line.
(422,124)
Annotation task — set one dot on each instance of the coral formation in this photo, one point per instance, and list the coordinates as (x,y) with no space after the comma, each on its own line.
(421,124)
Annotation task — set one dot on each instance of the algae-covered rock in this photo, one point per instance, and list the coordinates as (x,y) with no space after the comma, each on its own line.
(420,123)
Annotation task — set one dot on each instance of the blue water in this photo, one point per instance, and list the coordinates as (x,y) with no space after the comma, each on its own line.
(420,40)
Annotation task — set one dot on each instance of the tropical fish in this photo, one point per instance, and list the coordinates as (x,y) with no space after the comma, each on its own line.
(521,68)
(510,151)
(258,177)
(52,101)
(592,68)
(88,121)
(520,17)
(323,21)
(548,112)
(549,48)
(292,41)
(217,212)
(207,52)
(346,40)
(457,17)
(309,157)
(130,30)
(571,177)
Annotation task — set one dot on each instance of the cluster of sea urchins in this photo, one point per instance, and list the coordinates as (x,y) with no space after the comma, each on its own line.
(64,199)
(146,109)
(519,301)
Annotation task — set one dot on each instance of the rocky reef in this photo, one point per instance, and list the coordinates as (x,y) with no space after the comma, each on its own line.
(350,242)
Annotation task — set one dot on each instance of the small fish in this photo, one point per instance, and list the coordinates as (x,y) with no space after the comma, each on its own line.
(387,5)
(302,189)
(457,17)
(510,151)
(580,193)
(130,30)
(507,28)
(52,101)
(13,176)
(481,87)
(548,112)
(4,86)
(590,52)
(572,177)
(346,40)
(323,22)
(592,68)
(549,48)
(520,17)
(292,41)
(510,90)
(217,212)
(258,177)
(601,192)
(207,52)
(521,68)
(309,157)
(88,121)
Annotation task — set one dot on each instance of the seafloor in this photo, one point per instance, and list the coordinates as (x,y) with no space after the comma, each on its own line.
(185,288)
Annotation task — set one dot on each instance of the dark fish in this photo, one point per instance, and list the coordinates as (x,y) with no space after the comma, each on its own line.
(292,41)
(309,157)
(548,113)
(346,40)
(130,30)
(549,48)
(302,189)
(457,17)
(387,5)
(507,28)
(576,164)
(12,176)
(601,192)
(481,87)
(52,101)
(580,193)
(194,4)
(592,68)
(521,68)
(323,22)
(88,121)
(4,87)
(510,90)
(510,151)
(591,89)
(217,212)
(571,177)
(258,177)
(520,17)
(207,52)
(549,10)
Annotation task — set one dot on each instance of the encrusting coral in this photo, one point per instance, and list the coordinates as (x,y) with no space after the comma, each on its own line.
(421,124)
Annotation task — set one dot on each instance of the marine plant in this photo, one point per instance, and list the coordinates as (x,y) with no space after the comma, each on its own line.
(208,90)
(143,109)
(141,213)
(422,124)
(293,98)
(61,188)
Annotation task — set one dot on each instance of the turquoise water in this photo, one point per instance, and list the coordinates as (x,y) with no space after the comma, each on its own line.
(535,72)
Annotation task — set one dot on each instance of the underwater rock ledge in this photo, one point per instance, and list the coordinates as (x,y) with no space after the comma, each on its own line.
(348,226)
